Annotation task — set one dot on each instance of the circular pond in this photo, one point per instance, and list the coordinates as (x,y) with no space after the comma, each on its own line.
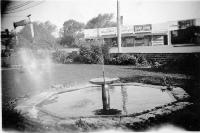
(86,102)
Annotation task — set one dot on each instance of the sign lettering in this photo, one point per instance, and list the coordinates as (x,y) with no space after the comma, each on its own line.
(142,28)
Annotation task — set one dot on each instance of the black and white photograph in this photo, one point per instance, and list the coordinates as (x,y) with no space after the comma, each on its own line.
(100,66)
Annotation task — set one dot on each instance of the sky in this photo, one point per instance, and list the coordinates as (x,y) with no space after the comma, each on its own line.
(133,11)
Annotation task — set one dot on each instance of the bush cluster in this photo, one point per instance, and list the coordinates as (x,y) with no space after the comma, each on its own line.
(61,57)
(188,64)
(95,53)
(142,60)
(123,59)
(88,54)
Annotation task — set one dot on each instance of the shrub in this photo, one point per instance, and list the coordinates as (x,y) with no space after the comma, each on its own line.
(61,57)
(141,60)
(73,56)
(106,55)
(11,118)
(88,54)
(85,54)
(96,54)
(188,64)
(124,59)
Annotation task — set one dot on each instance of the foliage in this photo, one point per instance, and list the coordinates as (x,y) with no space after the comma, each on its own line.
(61,57)
(67,40)
(70,33)
(141,60)
(106,55)
(188,64)
(95,52)
(42,35)
(123,59)
(90,53)
(71,26)
(11,118)
(85,54)
(49,26)
(101,21)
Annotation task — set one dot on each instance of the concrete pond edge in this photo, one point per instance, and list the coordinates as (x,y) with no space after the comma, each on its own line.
(31,108)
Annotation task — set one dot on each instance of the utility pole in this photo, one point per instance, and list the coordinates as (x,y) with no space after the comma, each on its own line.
(169,37)
(31,26)
(118,27)
(16,38)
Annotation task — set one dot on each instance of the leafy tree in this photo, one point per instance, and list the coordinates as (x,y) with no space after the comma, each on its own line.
(101,21)
(42,35)
(71,27)
(70,33)
(49,26)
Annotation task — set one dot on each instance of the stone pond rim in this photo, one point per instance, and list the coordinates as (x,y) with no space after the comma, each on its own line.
(100,81)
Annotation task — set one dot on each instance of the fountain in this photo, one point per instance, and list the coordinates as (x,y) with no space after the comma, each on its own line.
(118,99)
(89,100)
(104,82)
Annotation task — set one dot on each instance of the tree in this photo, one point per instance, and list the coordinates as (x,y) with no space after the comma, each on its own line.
(71,27)
(101,21)
(49,26)
(70,32)
(42,34)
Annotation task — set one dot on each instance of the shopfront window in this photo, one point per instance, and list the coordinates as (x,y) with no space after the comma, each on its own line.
(190,35)
(128,42)
(157,40)
(186,23)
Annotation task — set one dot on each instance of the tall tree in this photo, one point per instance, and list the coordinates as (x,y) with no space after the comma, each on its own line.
(42,34)
(49,26)
(70,32)
(71,27)
(101,21)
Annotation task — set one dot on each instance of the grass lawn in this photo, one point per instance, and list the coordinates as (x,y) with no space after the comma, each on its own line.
(17,84)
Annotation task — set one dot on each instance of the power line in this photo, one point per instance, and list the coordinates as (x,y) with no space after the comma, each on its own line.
(19,6)
(24,8)
(7,15)
(27,7)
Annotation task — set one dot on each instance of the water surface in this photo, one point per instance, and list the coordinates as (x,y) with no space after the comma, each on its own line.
(128,99)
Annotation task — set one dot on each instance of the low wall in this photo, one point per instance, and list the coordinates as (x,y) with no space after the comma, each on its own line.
(158,49)
(162,57)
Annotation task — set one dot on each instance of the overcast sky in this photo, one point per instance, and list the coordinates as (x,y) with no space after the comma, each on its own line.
(133,11)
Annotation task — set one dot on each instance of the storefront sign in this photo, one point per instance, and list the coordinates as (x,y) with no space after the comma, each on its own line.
(113,30)
(142,28)
(107,31)
(90,33)
(127,29)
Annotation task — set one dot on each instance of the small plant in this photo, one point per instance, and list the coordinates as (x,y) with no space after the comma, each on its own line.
(167,83)
(142,60)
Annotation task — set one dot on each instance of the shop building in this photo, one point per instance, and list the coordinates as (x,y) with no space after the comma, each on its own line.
(148,34)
